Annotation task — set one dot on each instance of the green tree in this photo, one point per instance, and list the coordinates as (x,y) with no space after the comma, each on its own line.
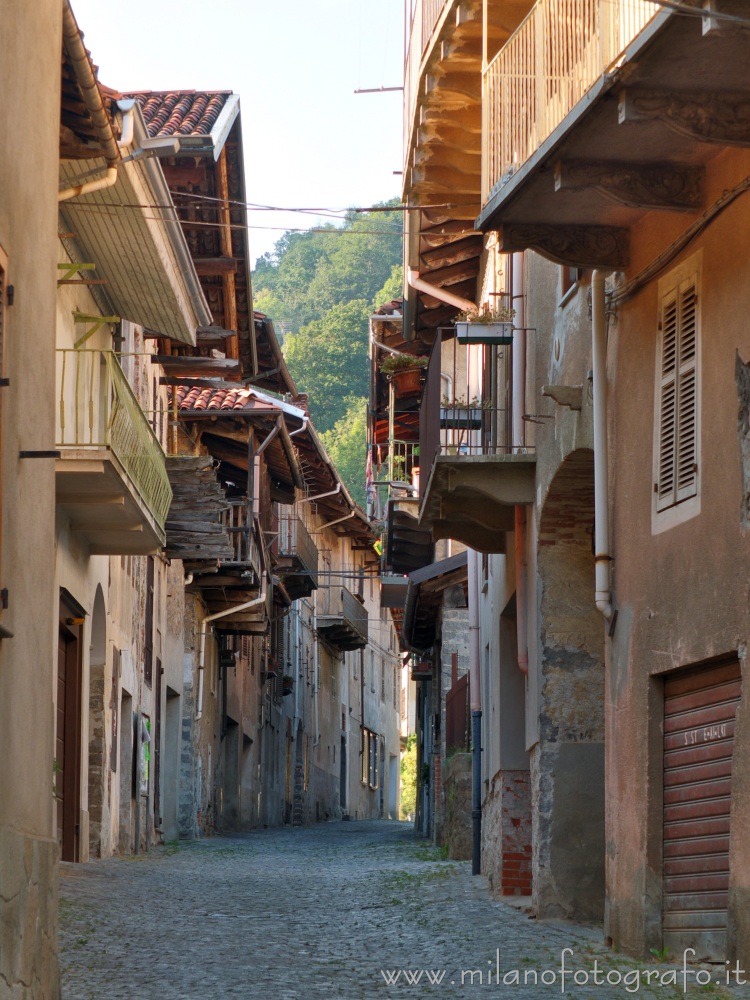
(346,443)
(392,289)
(328,360)
(409,778)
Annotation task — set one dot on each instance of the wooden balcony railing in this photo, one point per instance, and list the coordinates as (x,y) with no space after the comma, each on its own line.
(296,543)
(426,15)
(554,57)
(243,538)
(97,409)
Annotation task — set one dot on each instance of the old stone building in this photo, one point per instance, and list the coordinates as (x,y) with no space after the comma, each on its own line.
(191,632)
(606,491)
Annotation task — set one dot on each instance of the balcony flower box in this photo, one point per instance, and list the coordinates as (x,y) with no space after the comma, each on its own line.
(468,332)
(287,685)
(461,418)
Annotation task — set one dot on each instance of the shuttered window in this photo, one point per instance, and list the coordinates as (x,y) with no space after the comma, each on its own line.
(677,404)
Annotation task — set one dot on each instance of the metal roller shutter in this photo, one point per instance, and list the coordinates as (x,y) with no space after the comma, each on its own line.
(699,713)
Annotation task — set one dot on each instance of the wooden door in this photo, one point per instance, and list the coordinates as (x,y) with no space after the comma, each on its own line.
(699,714)
(68,744)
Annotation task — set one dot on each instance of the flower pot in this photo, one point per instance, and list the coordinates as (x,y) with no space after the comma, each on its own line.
(407,381)
(484,333)
(461,418)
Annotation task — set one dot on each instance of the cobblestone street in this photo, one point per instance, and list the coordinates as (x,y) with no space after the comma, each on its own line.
(326,911)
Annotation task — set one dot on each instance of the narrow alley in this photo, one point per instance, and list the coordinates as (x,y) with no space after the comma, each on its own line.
(335,910)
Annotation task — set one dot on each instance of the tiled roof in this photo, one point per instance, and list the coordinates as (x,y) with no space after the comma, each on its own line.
(223,399)
(181,112)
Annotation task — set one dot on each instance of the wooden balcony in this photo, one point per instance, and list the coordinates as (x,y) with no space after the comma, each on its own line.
(111,480)
(342,619)
(551,61)
(591,121)
(443,146)
(297,558)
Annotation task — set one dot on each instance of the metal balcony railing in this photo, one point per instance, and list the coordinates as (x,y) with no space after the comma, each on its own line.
(296,542)
(98,409)
(550,62)
(476,428)
(342,618)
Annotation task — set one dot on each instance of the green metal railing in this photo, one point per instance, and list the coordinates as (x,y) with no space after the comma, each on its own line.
(98,409)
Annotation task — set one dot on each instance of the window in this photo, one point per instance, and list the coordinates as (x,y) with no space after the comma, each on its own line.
(369,758)
(677,397)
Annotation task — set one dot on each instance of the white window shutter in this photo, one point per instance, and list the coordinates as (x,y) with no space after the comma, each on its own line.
(678,416)
(668,404)
(687,422)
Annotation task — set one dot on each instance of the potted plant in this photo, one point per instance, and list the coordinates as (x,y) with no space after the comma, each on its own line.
(287,684)
(458,414)
(490,325)
(405,371)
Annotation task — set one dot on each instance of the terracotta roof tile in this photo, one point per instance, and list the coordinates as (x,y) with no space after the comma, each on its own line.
(181,112)
(222,399)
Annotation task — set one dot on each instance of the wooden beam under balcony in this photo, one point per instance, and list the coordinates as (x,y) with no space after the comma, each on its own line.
(640,185)
(573,246)
(177,365)
(709,116)
(212,267)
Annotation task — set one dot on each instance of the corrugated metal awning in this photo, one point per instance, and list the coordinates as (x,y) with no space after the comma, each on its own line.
(132,234)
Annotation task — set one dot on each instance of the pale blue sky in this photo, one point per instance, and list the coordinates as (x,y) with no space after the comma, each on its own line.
(309,140)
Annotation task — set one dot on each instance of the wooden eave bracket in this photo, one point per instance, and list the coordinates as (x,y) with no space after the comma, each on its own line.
(70,272)
(96,323)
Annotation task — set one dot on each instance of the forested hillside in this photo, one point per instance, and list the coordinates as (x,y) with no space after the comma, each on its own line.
(320,288)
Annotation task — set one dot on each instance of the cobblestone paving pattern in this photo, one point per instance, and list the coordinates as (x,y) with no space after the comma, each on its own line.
(322,912)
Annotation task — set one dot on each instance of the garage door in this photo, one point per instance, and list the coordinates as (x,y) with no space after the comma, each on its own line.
(699,712)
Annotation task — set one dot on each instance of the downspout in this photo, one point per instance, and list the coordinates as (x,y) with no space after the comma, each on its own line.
(602,556)
(321,496)
(475,696)
(338,520)
(210,618)
(519,446)
(316,669)
(92,99)
(419,285)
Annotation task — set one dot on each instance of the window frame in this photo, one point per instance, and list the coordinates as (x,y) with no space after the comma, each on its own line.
(678,503)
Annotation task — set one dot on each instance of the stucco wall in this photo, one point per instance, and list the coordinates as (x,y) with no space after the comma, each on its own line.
(682,592)
(30,84)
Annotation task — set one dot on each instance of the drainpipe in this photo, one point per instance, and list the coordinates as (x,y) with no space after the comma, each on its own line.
(601,495)
(436,292)
(92,99)
(316,668)
(210,618)
(519,446)
(320,496)
(475,696)
(338,520)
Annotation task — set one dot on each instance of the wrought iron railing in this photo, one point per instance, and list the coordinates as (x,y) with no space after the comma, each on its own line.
(555,56)
(475,428)
(98,409)
(339,603)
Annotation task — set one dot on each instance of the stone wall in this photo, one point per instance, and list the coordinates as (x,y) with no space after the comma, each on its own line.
(456,801)
(28,918)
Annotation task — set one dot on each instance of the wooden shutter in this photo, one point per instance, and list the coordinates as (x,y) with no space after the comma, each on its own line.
(678,397)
